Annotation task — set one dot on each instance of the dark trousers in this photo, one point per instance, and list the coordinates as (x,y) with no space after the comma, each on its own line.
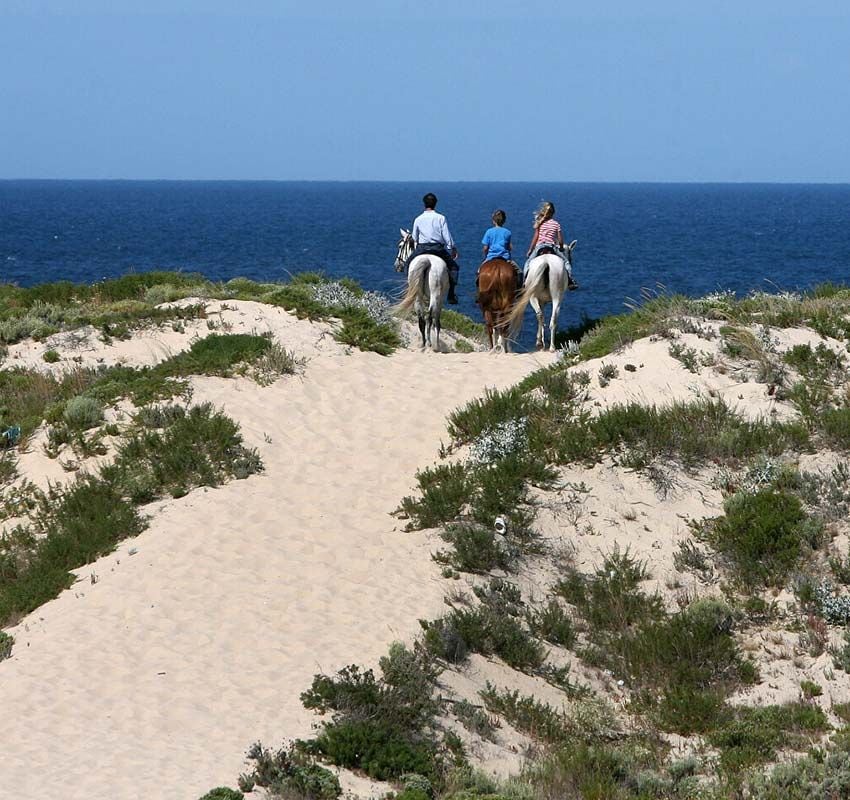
(441,252)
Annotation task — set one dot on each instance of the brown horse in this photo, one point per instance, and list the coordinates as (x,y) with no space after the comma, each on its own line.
(497,289)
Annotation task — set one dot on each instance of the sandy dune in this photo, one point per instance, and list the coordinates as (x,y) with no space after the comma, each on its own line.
(152,675)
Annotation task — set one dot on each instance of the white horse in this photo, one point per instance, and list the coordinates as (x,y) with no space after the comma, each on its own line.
(427,287)
(545,282)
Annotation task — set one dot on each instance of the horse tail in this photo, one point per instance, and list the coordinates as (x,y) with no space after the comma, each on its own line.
(533,281)
(415,277)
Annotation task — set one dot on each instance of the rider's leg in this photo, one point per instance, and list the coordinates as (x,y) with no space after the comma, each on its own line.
(453,270)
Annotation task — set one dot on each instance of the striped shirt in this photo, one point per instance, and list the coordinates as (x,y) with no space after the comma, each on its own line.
(548,232)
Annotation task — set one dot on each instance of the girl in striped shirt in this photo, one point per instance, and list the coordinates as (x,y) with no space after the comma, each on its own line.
(548,238)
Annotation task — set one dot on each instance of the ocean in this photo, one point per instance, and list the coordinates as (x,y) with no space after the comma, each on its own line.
(677,238)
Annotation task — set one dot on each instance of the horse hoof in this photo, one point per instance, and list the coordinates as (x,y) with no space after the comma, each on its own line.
(540,346)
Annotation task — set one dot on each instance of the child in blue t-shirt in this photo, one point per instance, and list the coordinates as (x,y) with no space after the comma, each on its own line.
(497,240)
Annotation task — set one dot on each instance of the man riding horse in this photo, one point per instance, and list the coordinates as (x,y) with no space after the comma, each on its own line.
(431,237)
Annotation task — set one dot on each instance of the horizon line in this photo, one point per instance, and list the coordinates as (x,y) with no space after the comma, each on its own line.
(435,180)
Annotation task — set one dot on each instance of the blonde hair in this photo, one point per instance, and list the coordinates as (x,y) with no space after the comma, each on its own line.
(546,211)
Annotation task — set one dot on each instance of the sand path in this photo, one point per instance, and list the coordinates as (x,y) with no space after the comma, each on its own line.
(152,681)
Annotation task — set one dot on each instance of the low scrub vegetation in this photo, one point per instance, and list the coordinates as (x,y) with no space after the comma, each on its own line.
(680,666)
(383,725)
(71,526)
(752,736)
(75,398)
(289,772)
(115,307)
(764,535)
(7,641)
(494,627)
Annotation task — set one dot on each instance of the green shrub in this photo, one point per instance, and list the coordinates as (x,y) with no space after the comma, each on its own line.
(475,549)
(552,623)
(379,725)
(361,331)
(680,665)
(412,794)
(611,599)
(753,735)
(51,356)
(835,426)
(527,715)
(445,490)
(8,467)
(216,354)
(273,363)
(223,793)
(693,432)
(764,535)
(841,655)
(201,447)
(688,710)
(502,489)
(487,413)
(72,527)
(493,628)
(7,641)
(814,777)
(290,772)
(82,413)
(475,719)
(380,751)
(460,323)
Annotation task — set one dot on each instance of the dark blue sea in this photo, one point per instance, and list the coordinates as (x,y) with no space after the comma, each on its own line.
(688,238)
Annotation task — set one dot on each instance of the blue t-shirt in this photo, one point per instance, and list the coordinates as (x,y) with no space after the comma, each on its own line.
(497,241)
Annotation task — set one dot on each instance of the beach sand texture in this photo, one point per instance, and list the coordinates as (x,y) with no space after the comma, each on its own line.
(152,675)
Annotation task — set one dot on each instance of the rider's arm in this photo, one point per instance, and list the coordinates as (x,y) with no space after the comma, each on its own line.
(560,237)
(447,239)
(486,242)
(533,242)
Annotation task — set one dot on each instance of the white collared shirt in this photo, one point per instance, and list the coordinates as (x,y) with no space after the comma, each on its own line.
(431,228)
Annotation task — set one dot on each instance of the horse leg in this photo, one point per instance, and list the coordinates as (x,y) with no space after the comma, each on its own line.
(538,312)
(553,322)
(498,330)
(488,324)
(503,332)
(437,330)
(421,318)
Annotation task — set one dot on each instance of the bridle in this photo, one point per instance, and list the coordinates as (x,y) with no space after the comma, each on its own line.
(405,248)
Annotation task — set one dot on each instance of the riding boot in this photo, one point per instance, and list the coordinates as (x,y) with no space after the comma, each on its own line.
(452,298)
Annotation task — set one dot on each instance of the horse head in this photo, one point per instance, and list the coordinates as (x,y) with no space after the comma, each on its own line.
(569,251)
(405,248)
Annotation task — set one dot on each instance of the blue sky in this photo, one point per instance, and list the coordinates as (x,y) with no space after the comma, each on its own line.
(380,90)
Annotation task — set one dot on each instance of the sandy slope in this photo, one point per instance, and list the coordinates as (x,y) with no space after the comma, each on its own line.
(152,675)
